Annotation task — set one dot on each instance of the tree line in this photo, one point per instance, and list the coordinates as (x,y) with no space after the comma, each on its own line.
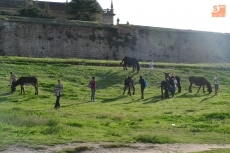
(85,10)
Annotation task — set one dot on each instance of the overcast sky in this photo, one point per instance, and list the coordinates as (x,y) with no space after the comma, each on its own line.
(179,14)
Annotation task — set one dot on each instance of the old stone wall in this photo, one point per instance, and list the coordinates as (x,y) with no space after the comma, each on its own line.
(67,39)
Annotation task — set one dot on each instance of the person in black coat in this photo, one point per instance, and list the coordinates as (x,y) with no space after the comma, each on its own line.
(142,83)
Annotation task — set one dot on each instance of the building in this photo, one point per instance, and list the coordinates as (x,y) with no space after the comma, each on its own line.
(57,10)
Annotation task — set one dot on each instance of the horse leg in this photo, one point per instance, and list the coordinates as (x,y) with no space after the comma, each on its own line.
(21,89)
(179,88)
(129,90)
(36,90)
(134,68)
(172,91)
(125,67)
(124,90)
(190,88)
(198,89)
(161,92)
(166,93)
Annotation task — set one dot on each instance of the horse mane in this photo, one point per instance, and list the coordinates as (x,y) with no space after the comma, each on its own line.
(17,83)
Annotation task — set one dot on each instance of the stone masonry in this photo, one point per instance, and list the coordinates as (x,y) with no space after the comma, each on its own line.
(68,39)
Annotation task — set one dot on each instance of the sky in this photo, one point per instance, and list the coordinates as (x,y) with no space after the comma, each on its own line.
(177,14)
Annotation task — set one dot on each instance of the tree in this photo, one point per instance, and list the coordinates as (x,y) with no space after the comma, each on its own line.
(86,10)
(29,9)
(47,10)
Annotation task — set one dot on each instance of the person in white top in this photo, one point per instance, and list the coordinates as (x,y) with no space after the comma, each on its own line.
(175,83)
(216,83)
(151,66)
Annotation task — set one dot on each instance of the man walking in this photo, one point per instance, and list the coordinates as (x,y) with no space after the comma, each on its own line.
(142,83)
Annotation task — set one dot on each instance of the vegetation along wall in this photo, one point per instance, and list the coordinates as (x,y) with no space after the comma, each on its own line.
(32,37)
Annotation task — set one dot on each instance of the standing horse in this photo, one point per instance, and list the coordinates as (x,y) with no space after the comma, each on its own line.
(164,89)
(177,79)
(199,81)
(25,81)
(130,61)
(128,84)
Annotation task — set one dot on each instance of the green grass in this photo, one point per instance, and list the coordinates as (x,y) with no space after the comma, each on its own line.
(31,120)
(216,151)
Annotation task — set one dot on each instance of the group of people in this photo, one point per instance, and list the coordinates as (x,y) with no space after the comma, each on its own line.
(172,84)
(58,88)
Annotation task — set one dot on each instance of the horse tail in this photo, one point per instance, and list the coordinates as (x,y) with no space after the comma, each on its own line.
(122,61)
(178,79)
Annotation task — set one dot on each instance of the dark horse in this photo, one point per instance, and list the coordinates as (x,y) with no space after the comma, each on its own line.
(177,79)
(199,81)
(128,84)
(164,87)
(130,61)
(25,81)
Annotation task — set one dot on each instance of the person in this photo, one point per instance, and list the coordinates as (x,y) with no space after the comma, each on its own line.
(13,79)
(175,83)
(58,92)
(92,85)
(172,85)
(151,66)
(142,83)
(216,83)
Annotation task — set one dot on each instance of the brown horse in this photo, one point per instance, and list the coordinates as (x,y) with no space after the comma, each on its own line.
(25,81)
(199,81)
(128,84)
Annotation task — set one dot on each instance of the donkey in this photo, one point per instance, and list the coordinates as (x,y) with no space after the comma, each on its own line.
(199,81)
(128,84)
(130,61)
(164,89)
(25,81)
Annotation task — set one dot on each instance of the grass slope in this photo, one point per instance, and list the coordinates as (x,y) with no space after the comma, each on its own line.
(31,120)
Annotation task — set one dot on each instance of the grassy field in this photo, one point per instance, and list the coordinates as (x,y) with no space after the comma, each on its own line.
(31,120)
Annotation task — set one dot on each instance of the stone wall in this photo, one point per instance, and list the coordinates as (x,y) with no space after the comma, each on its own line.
(67,39)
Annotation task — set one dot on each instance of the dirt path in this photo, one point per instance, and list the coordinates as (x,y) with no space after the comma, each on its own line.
(133,148)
